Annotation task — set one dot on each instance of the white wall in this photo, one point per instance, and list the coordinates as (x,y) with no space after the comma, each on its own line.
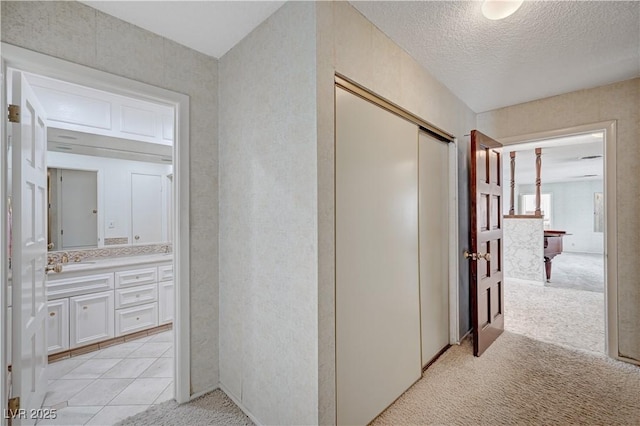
(572,210)
(114,189)
(78,33)
(268,228)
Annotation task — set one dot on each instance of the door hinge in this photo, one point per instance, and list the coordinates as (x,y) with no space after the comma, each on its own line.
(14,113)
(14,404)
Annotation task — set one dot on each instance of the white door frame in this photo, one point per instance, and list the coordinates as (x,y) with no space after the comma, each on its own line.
(37,63)
(610,232)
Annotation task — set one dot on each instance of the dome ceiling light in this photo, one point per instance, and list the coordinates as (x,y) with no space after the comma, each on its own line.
(500,9)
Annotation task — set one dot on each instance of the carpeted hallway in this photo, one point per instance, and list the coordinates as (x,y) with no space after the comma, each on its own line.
(520,381)
(517,381)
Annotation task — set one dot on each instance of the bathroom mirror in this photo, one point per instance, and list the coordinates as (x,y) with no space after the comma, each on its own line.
(107,192)
(73,208)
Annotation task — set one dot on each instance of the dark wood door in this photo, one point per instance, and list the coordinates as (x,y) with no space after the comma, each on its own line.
(487,295)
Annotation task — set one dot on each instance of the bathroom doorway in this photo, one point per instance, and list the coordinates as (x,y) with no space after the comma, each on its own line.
(78,262)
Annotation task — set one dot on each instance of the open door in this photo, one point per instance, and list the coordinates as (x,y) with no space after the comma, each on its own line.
(487,295)
(29,242)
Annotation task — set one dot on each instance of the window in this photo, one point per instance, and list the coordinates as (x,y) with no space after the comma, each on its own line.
(528,207)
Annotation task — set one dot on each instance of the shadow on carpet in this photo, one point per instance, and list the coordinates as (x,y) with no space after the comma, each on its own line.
(214,408)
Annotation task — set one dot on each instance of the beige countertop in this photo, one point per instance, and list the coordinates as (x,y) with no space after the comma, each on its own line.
(109,263)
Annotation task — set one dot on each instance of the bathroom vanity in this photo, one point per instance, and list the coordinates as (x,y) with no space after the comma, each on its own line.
(98,300)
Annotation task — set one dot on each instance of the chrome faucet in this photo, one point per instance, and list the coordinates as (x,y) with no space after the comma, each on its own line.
(64,258)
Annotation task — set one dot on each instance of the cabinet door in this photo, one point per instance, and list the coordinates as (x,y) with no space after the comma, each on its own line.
(165,302)
(58,325)
(92,318)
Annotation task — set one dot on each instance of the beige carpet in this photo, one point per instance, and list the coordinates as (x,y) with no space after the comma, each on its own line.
(520,381)
(214,408)
(558,315)
(517,381)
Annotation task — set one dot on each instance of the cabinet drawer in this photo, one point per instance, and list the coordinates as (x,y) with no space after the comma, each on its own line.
(138,295)
(138,318)
(165,272)
(136,277)
(67,287)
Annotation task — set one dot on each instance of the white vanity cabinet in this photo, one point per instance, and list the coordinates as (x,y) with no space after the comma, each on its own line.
(165,294)
(80,310)
(91,318)
(58,325)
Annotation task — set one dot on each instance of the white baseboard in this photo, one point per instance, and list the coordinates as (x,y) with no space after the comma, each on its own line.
(239,404)
(199,394)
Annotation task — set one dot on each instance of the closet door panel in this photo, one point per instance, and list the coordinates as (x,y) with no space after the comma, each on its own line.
(377,288)
(434,244)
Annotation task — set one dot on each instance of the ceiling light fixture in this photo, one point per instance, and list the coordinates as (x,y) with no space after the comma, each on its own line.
(500,9)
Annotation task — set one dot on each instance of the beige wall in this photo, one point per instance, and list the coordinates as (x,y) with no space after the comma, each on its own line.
(80,34)
(620,102)
(268,229)
(350,45)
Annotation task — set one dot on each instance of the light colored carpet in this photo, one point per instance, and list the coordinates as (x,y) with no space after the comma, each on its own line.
(214,408)
(578,271)
(520,381)
(559,315)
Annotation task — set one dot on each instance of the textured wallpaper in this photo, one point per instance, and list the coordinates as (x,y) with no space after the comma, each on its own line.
(268,227)
(523,249)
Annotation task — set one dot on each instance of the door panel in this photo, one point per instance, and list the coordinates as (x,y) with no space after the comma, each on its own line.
(433,184)
(29,192)
(377,287)
(146,208)
(79,199)
(487,295)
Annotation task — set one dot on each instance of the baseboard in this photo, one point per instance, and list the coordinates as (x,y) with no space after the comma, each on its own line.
(239,404)
(466,335)
(201,393)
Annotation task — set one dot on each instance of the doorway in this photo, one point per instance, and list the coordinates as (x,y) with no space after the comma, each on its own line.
(54,68)
(559,268)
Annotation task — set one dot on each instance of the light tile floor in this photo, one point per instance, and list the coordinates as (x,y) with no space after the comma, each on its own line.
(106,386)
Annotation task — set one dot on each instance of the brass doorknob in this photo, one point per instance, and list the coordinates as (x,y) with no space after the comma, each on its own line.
(476,256)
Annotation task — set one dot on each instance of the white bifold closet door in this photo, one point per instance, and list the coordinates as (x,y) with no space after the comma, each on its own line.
(377,284)
(434,244)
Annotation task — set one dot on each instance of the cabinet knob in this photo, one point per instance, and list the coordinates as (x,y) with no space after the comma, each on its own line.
(137,318)
(137,237)
(52,314)
(84,308)
(137,277)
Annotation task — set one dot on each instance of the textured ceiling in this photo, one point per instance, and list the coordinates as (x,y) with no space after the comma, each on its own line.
(563,159)
(210,27)
(546,48)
